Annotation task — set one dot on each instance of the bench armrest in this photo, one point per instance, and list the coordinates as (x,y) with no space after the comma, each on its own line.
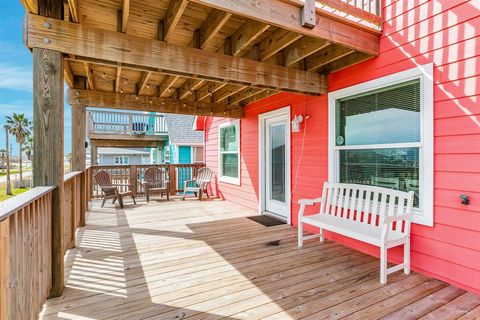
(309,202)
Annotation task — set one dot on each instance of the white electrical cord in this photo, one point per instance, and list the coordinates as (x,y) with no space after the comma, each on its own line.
(301,154)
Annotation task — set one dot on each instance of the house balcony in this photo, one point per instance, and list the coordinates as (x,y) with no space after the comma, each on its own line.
(109,129)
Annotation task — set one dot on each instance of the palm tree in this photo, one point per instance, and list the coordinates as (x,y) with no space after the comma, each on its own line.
(9,187)
(3,156)
(19,126)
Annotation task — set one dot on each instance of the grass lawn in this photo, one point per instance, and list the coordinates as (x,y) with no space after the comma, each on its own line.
(15,192)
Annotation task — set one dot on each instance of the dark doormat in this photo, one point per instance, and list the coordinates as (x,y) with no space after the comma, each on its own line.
(266,220)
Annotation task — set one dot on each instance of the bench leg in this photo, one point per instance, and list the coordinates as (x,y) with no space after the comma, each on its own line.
(300,234)
(322,239)
(383,264)
(406,256)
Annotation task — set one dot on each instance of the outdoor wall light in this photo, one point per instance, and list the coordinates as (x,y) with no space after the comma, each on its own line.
(465,199)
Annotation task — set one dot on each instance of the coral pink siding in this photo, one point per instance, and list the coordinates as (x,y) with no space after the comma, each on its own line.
(416,32)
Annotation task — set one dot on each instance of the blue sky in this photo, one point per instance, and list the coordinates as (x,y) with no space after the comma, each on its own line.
(16,72)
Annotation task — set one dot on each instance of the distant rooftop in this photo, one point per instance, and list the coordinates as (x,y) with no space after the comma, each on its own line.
(123,151)
(180,129)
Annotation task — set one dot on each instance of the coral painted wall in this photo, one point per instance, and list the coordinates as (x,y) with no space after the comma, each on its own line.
(415,32)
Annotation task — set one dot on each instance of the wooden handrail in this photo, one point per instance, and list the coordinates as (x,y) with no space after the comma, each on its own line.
(12,205)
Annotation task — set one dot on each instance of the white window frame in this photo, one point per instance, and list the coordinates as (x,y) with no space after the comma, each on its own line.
(222,178)
(122,160)
(424,214)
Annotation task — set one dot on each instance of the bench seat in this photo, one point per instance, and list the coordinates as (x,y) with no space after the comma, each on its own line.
(352,229)
(374,215)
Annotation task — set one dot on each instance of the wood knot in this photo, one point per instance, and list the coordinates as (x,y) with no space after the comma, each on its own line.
(49,68)
(46,102)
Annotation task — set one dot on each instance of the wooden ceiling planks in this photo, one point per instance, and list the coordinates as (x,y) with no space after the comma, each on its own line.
(237,28)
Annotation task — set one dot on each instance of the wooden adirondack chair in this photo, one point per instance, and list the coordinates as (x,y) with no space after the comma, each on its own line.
(156,182)
(199,184)
(110,191)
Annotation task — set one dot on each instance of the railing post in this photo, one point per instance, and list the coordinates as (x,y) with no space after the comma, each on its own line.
(173,179)
(133,179)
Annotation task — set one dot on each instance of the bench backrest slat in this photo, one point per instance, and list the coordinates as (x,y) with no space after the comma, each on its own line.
(365,204)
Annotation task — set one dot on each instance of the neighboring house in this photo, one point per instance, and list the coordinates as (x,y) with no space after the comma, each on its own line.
(407,119)
(184,144)
(123,156)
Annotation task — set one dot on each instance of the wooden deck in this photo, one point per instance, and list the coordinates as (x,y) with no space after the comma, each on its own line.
(206,260)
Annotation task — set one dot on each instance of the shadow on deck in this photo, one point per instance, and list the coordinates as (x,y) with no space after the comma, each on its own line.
(205,260)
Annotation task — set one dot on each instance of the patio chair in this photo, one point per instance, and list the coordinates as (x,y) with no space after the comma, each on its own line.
(156,182)
(199,184)
(110,190)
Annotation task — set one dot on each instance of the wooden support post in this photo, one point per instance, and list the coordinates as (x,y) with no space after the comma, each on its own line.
(48,163)
(79,135)
(308,14)
(93,154)
(133,179)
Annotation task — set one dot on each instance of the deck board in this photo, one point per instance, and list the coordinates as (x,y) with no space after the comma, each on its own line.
(206,260)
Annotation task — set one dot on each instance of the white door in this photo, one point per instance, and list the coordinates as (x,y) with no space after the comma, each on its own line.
(277,167)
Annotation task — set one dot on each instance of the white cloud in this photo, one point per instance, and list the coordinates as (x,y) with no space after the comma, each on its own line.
(16,78)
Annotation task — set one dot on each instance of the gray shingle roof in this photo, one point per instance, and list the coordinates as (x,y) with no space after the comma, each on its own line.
(180,129)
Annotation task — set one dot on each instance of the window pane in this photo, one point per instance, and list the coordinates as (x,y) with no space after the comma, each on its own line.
(277,156)
(229,138)
(388,168)
(230,165)
(389,115)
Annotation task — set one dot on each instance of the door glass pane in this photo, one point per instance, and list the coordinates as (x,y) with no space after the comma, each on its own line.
(277,165)
(388,168)
(230,165)
(389,115)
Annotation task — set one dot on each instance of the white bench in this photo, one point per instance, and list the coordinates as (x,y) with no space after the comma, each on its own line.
(375,215)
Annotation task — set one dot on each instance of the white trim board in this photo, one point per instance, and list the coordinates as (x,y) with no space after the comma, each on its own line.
(230,180)
(261,160)
(424,73)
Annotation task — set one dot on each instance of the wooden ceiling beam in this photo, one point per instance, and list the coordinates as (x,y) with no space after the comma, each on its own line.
(73,7)
(287,15)
(117,78)
(302,49)
(244,95)
(223,94)
(173,15)
(346,61)
(166,85)
(143,84)
(209,89)
(31,6)
(189,87)
(89,75)
(68,74)
(279,40)
(244,36)
(100,99)
(125,15)
(211,26)
(326,56)
(172,59)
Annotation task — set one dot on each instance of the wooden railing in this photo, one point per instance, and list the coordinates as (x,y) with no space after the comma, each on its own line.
(26,244)
(133,175)
(364,12)
(126,123)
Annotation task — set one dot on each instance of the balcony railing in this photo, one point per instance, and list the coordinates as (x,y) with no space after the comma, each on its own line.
(26,244)
(133,175)
(105,122)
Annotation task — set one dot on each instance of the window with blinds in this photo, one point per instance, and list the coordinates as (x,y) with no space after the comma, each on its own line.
(378,137)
